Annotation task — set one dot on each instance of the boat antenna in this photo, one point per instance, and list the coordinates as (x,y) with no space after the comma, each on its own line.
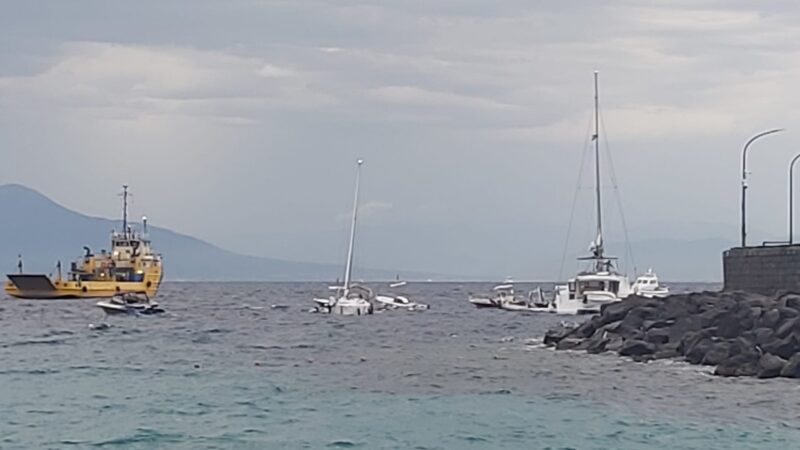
(349,267)
(125,209)
(598,244)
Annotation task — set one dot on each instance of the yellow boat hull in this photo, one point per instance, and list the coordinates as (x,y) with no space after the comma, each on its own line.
(32,286)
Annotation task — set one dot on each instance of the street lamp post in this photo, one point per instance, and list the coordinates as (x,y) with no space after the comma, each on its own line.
(791,198)
(744,180)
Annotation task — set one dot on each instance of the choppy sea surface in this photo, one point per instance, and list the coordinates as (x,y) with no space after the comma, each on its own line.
(244,365)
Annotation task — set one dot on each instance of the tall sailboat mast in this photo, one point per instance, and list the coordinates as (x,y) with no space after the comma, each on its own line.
(598,251)
(349,268)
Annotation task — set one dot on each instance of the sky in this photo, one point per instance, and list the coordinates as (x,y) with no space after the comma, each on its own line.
(240,122)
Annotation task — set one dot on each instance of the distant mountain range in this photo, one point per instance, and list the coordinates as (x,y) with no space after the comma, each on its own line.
(45,232)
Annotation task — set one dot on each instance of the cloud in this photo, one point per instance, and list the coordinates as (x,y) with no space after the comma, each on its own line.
(132,81)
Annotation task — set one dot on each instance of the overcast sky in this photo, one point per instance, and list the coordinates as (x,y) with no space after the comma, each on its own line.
(240,121)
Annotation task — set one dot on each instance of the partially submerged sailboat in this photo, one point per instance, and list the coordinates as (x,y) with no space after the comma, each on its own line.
(130,266)
(349,299)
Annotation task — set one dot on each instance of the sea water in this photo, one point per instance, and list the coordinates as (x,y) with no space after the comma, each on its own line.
(245,365)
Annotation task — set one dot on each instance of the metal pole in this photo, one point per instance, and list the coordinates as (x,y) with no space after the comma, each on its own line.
(744,180)
(598,250)
(791,199)
(349,268)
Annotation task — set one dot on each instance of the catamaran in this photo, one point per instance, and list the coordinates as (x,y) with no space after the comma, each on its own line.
(600,283)
(349,299)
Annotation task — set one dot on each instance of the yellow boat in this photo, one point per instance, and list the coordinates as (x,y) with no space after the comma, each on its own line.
(130,266)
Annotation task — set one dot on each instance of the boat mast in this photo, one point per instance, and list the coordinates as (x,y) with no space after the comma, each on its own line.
(125,209)
(349,268)
(598,250)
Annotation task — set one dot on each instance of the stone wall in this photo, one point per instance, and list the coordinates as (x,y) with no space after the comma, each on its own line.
(762,270)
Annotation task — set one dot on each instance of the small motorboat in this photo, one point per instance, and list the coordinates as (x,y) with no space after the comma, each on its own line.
(500,294)
(647,285)
(130,303)
(536,302)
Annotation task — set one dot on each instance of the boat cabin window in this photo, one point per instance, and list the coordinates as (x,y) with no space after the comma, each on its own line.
(599,285)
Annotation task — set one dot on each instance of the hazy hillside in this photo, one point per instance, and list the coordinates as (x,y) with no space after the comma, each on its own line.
(44,232)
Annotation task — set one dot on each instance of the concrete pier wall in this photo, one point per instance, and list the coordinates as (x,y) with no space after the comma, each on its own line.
(762,270)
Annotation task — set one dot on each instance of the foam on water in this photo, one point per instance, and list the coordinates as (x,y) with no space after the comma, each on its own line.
(223,369)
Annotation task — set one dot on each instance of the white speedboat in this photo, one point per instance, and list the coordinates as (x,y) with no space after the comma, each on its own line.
(350,299)
(502,293)
(647,285)
(600,283)
(395,301)
(130,303)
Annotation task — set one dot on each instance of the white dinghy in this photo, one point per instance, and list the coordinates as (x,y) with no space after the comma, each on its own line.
(130,303)
(350,299)
(502,293)
(397,301)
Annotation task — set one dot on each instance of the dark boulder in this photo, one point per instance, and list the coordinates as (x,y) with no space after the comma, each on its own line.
(760,336)
(697,352)
(787,327)
(788,313)
(657,336)
(683,326)
(735,322)
(597,344)
(738,366)
(614,343)
(770,318)
(691,338)
(554,335)
(630,325)
(744,346)
(612,327)
(784,348)
(770,366)
(667,351)
(587,328)
(636,347)
(790,300)
(716,353)
(792,367)
(675,307)
(568,343)
(711,317)
(613,312)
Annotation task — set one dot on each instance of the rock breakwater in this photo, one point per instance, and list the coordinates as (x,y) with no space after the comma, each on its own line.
(742,334)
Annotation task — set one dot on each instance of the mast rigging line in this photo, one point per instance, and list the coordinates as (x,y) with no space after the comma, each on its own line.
(574,201)
(618,196)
